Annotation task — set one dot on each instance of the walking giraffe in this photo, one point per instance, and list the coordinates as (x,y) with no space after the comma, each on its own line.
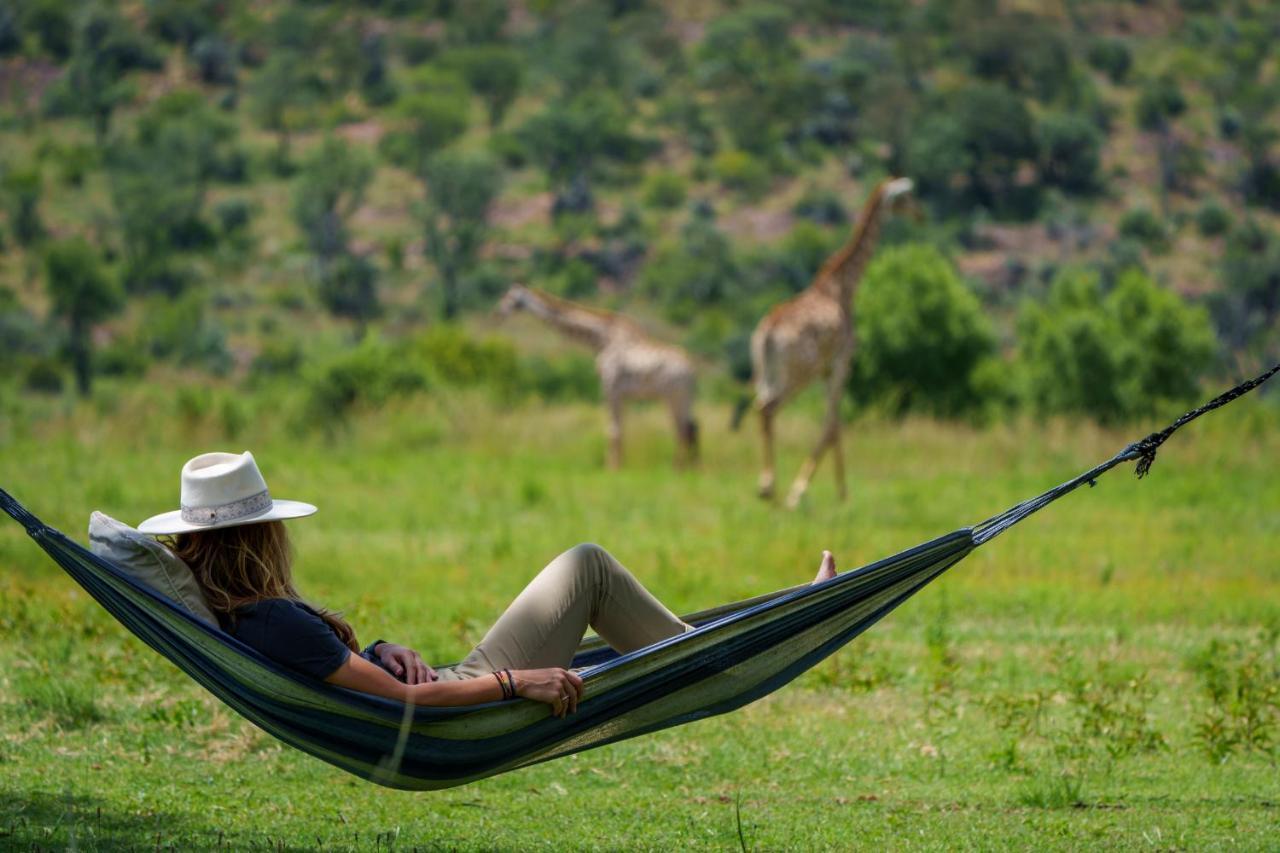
(812,335)
(632,365)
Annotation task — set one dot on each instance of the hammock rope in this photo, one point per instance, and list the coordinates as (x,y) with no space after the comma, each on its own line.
(1144,450)
(737,653)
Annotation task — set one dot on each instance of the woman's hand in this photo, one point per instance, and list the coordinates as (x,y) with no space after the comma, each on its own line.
(404,663)
(559,688)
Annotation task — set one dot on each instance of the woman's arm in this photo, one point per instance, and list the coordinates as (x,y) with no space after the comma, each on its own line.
(541,685)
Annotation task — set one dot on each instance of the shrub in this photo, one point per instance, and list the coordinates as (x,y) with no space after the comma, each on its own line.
(664,190)
(694,270)
(1213,219)
(821,206)
(1070,152)
(180,330)
(451,355)
(44,376)
(572,377)
(1112,57)
(741,172)
(921,334)
(122,357)
(1115,356)
(1143,225)
(1160,100)
(215,60)
(368,375)
(1247,306)
(278,357)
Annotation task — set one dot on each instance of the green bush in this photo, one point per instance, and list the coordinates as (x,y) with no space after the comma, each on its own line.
(1112,57)
(449,354)
(572,377)
(1112,356)
(692,271)
(182,331)
(370,375)
(122,357)
(277,358)
(741,172)
(1070,152)
(1212,219)
(1143,225)
(1160,100)
(44,376)
(1248,304)
(921,335)
(664,190)
(821,206)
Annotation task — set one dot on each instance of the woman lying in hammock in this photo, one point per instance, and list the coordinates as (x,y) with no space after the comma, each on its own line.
(232,535)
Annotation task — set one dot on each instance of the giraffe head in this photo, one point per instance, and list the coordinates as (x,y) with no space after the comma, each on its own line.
(898,198)
(515,299)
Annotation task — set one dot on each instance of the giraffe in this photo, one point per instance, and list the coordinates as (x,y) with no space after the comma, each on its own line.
(811,335)
(632,365)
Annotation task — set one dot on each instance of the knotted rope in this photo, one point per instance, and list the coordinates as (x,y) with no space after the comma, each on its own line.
(1143,450)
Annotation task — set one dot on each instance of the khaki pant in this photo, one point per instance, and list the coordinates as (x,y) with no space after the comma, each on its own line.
(544,625)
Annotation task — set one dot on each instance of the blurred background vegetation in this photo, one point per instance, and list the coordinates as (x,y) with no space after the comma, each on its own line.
(252,194)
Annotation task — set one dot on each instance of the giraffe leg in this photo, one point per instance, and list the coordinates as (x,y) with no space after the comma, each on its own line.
(686,433)
(615,433)
(767,476)
(830,438)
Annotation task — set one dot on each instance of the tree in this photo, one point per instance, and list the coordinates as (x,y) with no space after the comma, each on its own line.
(329,189)
(1025,52)
(574,139)
(81,294)
(460,189)
(348,288)
(158,181)
(105,49)
(493,72)
(970,147)
(21,189)
(279,87)
(749,60)
(1248,304)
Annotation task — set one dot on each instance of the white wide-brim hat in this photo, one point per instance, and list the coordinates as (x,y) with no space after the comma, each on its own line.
(223,490)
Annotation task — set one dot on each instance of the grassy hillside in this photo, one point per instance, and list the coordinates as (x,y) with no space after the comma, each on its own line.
(1041,136)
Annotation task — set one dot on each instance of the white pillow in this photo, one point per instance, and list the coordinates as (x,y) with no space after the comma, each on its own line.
(147,561)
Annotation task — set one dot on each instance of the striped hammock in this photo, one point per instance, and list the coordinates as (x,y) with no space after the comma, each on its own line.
(737,653)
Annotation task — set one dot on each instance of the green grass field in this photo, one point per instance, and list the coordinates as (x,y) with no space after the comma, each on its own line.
(1106,674)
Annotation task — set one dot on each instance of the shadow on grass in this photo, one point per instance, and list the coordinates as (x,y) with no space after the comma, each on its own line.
(41,820)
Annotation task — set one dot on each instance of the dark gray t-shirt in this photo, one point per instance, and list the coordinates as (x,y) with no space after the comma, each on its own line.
(291,634)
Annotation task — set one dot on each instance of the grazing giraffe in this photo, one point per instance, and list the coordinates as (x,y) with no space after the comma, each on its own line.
(812,335)
(631,364)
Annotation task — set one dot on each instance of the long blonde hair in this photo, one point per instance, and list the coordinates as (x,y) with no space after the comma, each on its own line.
(245,564)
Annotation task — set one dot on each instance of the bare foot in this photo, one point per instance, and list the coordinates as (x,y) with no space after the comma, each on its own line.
(827,570)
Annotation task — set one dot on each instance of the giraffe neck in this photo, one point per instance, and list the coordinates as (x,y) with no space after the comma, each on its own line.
(572,321)
(841,275)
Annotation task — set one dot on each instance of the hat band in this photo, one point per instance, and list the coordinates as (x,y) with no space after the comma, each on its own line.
(251,505)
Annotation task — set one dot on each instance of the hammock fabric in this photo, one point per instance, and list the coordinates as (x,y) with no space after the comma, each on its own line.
(737,654)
